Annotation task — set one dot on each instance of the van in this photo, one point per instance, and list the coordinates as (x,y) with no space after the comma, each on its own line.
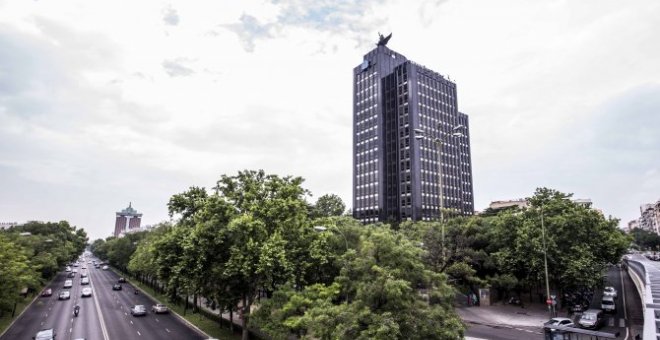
(592,318)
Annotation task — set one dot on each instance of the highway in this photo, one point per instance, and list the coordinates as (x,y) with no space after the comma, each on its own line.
(105,315)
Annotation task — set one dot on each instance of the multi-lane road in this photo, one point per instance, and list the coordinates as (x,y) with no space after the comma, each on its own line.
(105,315)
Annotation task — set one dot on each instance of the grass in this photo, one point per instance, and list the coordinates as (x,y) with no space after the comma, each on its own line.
(6,318)
(209,326)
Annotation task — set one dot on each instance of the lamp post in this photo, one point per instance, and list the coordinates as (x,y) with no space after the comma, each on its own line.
(545,264)
(439,142)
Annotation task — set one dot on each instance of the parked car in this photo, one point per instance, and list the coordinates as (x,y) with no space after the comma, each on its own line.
(86,292)
(159,308)
(64,295)
(592,318)
(47,292)
(608,304)
(116,286)
(138,310)
(45,334)
(566,322)
(610,291)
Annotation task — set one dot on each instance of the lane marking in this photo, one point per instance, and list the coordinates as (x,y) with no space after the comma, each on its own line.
(139,333)
(157,320)
(131,322)
(168,331)
(104,331)
(70,330)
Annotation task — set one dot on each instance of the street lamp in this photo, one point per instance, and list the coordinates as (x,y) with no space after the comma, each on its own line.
(320,229)
(439,142)
(545,263)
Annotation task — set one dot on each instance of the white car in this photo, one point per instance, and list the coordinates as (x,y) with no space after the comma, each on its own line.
(608,304)
(138,310)
(609,291)
(105,267)
(86,292)
(68,284)
(64,295)
(159,308)
(566,322)
(84,281)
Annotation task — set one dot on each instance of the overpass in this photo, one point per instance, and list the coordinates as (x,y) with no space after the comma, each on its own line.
(645,274)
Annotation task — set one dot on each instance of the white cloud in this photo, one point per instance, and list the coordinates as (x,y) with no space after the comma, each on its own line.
(171,94)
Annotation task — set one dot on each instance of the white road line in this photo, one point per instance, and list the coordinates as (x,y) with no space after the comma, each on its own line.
(42,323)
(139,333)
(131,321)
(168,331)
(104,331)
(625,311)
(157,320)
(70,330)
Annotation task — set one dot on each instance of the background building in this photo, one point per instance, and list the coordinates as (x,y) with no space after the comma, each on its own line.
(650,217)
(406,124)
(127,220)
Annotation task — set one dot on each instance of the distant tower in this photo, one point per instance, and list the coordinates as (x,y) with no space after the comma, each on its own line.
(127,220)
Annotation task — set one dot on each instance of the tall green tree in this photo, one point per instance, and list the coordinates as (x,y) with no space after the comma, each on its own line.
(329,205)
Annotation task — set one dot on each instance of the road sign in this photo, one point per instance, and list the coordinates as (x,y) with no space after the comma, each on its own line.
(548,301)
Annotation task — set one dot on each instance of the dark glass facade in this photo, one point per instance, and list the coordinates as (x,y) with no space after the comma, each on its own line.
(396,176)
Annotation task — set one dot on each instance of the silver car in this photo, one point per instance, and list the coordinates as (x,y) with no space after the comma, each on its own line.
(138,310)
(592,318)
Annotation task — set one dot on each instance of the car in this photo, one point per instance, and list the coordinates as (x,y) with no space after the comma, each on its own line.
(86,292)
(72,274)
(138,310)
(67,269)
(64,295)
(121,280)
(116,286)
(47,292)
(610,291)
(566,322)
(68,283)
(105,267)
(76,264)
(83,267)
(45,334)
(83,274)
(159,308)
(607,304)
(84,281)
(592,318)
(74,270)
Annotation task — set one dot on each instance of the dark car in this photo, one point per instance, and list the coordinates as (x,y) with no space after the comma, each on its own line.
(122,280)
(47,292)
(116,286)
(592,318)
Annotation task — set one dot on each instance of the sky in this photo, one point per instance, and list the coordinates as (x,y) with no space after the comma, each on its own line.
(103,103)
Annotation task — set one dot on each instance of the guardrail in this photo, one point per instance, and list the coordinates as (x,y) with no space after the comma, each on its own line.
(646,277)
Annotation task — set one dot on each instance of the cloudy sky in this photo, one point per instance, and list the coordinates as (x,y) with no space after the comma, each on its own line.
(103,103)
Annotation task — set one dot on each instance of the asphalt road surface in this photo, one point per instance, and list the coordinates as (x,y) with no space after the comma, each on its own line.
(105,315)
(614,322)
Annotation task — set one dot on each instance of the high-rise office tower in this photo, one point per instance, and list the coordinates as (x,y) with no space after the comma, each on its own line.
(409,140)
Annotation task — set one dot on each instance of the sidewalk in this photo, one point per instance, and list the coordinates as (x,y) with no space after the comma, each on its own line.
(533,315)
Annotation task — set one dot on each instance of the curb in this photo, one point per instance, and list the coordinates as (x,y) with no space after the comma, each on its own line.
(37,296)
(188,323)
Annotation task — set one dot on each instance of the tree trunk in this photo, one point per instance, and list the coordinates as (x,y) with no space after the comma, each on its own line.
(231,319)
(244,315)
